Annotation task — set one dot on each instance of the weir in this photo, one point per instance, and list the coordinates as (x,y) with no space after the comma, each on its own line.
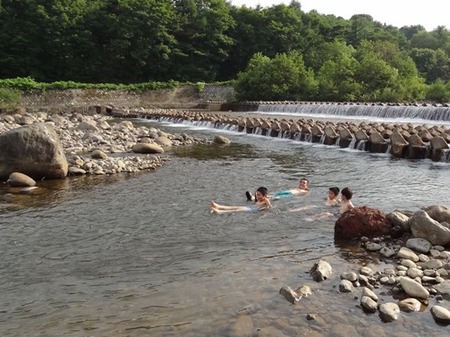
(375,110)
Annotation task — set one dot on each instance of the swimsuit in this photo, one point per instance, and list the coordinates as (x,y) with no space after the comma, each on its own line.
(252,208)
(283,194)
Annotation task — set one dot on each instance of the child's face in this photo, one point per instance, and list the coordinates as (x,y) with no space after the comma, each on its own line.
(259,196)
(331,195)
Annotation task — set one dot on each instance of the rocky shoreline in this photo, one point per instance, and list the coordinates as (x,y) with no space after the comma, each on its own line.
(91,143)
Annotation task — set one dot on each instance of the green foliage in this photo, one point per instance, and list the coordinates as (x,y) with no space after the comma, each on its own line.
(439,92)
(284,77)
(28,84)
(9,98)
(200,86)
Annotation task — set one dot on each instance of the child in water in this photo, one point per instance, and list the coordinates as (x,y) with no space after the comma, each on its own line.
(332,198)
(302,188)
(262,202)
(347,204)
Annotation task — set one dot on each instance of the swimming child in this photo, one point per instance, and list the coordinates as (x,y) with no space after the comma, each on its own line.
(332,198)
(346,195)
(262,202)
(303,187)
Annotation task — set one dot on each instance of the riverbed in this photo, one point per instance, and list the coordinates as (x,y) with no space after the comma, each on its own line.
(141,254)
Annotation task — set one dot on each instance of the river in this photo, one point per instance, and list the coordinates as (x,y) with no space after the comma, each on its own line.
(141,254)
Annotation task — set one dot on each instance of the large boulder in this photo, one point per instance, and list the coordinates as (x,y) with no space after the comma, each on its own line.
(423,226)
(34,150)
(440,213)
(362,221)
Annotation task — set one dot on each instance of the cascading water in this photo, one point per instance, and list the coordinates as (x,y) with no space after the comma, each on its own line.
(432,113)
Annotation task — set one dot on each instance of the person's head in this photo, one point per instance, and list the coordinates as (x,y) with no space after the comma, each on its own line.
(261,193)
(303,184)
(347,193)
(333,192)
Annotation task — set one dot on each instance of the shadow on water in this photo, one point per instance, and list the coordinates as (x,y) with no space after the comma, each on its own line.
(233,151)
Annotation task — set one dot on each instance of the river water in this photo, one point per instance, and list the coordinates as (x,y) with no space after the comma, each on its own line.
(141,254)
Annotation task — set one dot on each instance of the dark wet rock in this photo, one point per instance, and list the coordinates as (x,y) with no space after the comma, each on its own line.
(361,221)
(34,150)
(387,252)
(399,144)
(321,271)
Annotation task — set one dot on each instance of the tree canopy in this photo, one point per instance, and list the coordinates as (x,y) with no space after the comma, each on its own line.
(308,55)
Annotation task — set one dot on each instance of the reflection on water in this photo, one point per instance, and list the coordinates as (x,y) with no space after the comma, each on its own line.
(141,255)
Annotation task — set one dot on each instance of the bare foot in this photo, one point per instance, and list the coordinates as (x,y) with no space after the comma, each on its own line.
(214,205)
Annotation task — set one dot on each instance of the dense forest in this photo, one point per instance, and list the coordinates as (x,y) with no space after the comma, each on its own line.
(272,53)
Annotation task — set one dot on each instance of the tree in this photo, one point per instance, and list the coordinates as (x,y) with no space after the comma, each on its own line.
(203,40)
(284,77)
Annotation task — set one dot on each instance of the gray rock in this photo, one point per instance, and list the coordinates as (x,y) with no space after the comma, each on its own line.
(98,154)
(399,219)
(366,271)
(409,305)
(414,272)
(368,304)
(290,295)
(440,314)
(387,252)
(423,226)
(407,253)
(34,150)
(17,179)
(321,271)
(304,291)
(389,311)
(345,286)
(443,289)
(74,171)
(413,288)
(408,263)
(419,245)
(147,148)
(373,247)
(440,213)
(369,293)
(431,264)
(350,276)
(221,140)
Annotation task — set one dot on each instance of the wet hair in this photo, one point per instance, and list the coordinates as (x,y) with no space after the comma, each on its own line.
(335,190)
(262,190)
(347,192)
(304,180)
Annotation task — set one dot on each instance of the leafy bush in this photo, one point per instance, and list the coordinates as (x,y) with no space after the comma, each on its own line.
(9,98)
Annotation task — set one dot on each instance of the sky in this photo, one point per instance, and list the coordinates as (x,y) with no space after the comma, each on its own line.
(428,13)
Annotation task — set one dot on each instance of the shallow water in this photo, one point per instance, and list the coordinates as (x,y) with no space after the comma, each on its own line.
(141,255)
